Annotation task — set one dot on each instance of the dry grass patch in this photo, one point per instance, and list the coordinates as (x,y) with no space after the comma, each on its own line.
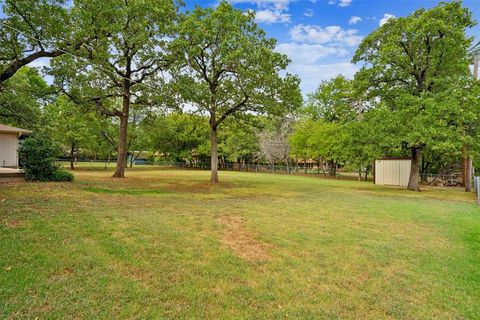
(242,241)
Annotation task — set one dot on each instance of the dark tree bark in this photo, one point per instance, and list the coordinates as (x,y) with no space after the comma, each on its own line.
(414,181)
(122,148)
(332,172)
(467,173)
(123,130)
(214,149)
(72,156)
(18,64)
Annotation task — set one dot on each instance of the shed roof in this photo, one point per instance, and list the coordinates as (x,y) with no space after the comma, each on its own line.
(7,129)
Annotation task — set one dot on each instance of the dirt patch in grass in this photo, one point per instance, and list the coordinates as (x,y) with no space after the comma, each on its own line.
(61,275)
(199,187)
(12,224)
(242,241)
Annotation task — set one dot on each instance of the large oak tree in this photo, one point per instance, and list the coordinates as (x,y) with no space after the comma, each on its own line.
(228,68)
(408,63)
(123,62)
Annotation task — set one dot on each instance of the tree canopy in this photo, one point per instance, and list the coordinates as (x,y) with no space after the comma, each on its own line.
(229,68)
(409,63)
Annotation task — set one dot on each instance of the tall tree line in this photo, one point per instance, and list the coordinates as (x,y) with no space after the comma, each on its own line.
(108,57)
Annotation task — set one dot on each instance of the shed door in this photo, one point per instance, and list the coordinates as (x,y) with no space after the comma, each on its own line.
(8,150)
(391,174)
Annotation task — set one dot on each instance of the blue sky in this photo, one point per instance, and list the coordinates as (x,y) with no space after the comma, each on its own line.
(320,36)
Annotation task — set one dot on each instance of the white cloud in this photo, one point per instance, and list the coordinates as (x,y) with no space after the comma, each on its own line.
(306,63)
(354,20)
(269,11)
(341,3)
(313,74)
(277,4)
(309,53)
(386,17)
(270,16)
(330,34)
(308,13)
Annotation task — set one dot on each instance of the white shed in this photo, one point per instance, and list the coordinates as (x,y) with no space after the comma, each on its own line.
(392,171)
(9,142)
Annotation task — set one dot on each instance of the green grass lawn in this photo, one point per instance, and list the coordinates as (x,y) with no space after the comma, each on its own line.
(166,244)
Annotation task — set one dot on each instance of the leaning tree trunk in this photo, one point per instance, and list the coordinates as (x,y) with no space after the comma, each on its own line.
(122,136)
(414,181)
(213,154)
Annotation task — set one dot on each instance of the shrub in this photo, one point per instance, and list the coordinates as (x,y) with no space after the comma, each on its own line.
(37,157)
(62,175)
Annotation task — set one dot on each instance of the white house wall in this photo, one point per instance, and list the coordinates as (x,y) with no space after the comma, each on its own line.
(8,149)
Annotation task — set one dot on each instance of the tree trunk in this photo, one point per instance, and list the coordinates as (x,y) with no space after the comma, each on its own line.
(213,153)
(360,173)
(122,135)
(332,169)
(72,157)
(366,172)
(414,181)
(468,174)
(122,149)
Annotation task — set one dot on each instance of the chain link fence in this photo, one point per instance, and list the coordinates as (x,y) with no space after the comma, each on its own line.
(245,167)
(476,184)
(449,180)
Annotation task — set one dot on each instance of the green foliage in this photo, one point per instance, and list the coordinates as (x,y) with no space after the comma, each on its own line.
(33,30)
(69,125)
(239,140)
(177,136)
(62,176)
(21,98)
(229,66)
(333,101)
(334,129)
(121,65)
(37,157)
(127,48)
(409,63)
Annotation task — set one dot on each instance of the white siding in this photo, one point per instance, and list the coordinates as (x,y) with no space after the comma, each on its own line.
(393,172)
(8,149)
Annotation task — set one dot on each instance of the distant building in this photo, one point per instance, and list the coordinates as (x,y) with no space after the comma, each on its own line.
(10,138)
